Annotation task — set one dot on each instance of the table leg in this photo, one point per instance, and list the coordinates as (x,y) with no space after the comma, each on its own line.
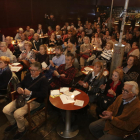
(66,131)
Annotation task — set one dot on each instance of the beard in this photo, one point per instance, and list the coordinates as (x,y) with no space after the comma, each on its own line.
(58,55)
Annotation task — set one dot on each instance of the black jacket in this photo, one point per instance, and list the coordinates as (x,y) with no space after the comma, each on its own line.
(118,90)
(4,79)
(96,84)
(39,89)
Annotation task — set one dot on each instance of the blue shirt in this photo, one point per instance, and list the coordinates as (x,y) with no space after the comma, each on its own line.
(124,102)
(58,60)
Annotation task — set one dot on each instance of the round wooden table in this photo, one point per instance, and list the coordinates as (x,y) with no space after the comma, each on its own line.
(105,72)
(65,131)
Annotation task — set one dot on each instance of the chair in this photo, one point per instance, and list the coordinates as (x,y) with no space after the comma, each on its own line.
(36,112)
(10,87)
(133,136)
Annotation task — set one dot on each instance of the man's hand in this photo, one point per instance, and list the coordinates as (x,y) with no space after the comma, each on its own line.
(20,90)
(51,62)
(80,83)
(63,75)
(56,73)
(106,115)
(85,85)
(27,92)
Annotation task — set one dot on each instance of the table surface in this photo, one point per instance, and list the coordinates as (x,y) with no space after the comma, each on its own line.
(92,67)
(58,103)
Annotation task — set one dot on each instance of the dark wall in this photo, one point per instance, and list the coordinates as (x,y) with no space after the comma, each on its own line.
(20,13)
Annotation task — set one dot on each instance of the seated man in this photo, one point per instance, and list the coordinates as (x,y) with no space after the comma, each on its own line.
(56,61)
(4,51)
(33,86)
(65,73)
(121,118)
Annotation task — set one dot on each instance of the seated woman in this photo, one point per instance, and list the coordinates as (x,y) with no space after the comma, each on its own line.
(110,91)
(36,43)
(96,41)
(85,50)
(5,74)
(39,30)
(31,35)
(18,35)
(107,54)
(4,51)
(50,31)
(135,50)
(131,71)
(27,54)
(92,82)
(42,55)
(23,40)
(70,49)
(52,41)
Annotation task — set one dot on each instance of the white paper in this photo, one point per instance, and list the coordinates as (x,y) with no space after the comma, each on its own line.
(79,103)
(15,64)
(67,93)
(75,92)
(55,92)
(44,65)
(16,69)
(63,89)
(66,99)
(88,68)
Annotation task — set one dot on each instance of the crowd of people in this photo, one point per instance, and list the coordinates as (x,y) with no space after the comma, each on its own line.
(76,46)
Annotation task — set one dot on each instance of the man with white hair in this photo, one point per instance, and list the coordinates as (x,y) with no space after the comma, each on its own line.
(18,35)
(58,31)
(121,118)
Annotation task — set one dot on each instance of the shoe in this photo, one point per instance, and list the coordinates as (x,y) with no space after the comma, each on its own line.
(19,135)
(10,128)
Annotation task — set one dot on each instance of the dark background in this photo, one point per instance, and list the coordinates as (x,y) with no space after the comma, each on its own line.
(20,13)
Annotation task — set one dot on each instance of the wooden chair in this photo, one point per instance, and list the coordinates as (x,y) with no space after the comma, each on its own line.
(36,112)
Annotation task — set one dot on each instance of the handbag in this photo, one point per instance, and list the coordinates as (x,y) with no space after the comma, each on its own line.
(21,98)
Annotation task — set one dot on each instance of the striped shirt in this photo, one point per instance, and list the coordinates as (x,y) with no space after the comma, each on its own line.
(106,54)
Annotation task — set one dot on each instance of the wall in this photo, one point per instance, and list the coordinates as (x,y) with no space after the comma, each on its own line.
(20,13)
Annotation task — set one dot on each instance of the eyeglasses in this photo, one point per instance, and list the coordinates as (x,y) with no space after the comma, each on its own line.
(33,70)
(125,91)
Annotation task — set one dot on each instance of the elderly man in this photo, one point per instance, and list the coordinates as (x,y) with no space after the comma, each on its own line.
(34,85)
(121,118)
(10,45)
(4,51)
(27,32)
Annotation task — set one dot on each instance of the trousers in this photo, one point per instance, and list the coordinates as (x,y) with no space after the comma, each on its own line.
(15,115)
(97,127)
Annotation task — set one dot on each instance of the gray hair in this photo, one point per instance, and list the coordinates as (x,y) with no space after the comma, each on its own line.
(20,29)
(135,88)
(37,65)
(32,30)
(36,34)
(4,44)
(86,37)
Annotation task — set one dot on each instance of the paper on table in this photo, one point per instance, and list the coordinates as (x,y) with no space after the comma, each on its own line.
(79,103)
(66,99)
(75,92)
(15,64)
(44,65)
(16,69)
(63,89)
(55,92)
(67,93)
(88,68)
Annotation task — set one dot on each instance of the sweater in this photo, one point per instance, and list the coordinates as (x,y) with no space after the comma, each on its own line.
(39,89)
(125,123)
